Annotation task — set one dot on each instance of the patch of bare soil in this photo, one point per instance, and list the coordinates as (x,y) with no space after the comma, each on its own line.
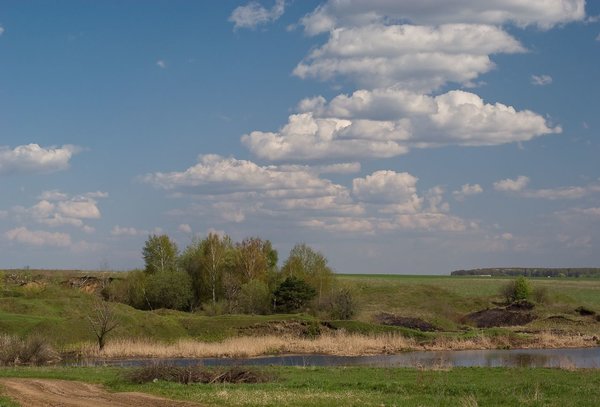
(64,393)
(386,318)
(489,318)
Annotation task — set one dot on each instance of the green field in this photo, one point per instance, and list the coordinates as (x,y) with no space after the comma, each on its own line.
(359,386)
(58,313)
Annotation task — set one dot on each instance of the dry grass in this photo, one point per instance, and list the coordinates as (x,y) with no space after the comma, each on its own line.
(337,343)
(15,351)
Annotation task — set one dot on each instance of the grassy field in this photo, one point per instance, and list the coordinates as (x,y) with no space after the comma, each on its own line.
(359,386)
(58,313)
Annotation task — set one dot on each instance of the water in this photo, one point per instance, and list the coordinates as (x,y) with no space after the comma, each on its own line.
(565,358)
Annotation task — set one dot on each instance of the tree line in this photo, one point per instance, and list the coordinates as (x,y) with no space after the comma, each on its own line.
(217,275)
(531,272)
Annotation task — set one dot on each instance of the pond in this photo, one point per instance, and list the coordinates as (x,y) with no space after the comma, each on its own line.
(564,358)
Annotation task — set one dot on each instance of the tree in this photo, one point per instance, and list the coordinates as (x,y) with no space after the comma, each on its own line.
(309,265)
(217,253)
(171,290)
(255,258)
(160,254)
(254,298)
(102,320)
(293,294)
(343,304)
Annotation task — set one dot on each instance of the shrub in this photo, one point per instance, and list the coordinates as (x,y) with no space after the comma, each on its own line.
(196,374)
(169,289)
(343,304)
(31,351)
(293,294)
(255,298)
(541,295)
(516,290)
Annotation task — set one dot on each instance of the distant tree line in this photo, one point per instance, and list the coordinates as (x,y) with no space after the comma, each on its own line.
(530,272)
(218,275)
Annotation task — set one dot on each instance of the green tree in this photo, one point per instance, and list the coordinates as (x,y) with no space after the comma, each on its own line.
(310,265)
(293,294)
(169,289)
(517,290)
(160,254)
(255,258)
(254,298)
(217,253)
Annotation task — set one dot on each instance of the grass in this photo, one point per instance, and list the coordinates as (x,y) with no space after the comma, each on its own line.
(58,313)
(361,386)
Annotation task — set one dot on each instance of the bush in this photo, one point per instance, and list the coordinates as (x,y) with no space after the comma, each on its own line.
(130,290)
(541,295)
(169,289)
(36,351)
(196,374)
(293,294)
(343,304)
(516,290)
(255,298)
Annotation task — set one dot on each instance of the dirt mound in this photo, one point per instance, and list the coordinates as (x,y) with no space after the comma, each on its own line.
(88,284)
(47,393)
(521,305)
(493,317)
(386,318)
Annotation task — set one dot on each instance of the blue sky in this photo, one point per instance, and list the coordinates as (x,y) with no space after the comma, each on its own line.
(394,136)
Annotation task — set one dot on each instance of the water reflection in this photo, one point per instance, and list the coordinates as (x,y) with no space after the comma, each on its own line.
(563,358)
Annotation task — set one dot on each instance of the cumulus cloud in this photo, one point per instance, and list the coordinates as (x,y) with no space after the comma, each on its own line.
(2,30)
(185,228)
(388,122)
(161,63)
(512,185)
(56,208)
(38,237)
(32,159)
(541,13)
(127,231)
(467,190)
(239,191)
(419,58)
(541,80)
(254,14)
(519,186)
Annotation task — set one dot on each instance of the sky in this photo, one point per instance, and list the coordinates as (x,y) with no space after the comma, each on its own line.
(393,136)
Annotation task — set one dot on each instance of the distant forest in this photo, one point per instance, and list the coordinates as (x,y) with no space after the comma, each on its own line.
(530,272)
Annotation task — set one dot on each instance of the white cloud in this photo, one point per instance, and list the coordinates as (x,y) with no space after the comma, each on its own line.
(38,237)
(185,228)
(598,37)
(56,208)
(388,122)
(161,63)
(512,185)
(238,191)
(467,190)
(127,231)
(31,159)
(541,80)
(519,185)
(419,58)
(2,30)
(254,14)
(542,13)
(389,187)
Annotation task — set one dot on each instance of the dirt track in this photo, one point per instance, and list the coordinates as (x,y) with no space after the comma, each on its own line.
(63,393)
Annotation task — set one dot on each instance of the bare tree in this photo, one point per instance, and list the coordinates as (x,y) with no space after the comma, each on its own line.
(102,320)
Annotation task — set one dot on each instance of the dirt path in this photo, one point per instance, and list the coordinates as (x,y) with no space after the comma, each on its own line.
(64,393)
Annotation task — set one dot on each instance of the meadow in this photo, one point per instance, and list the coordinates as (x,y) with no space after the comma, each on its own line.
(361,386)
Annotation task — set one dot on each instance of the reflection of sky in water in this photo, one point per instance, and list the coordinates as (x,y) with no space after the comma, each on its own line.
(564,358)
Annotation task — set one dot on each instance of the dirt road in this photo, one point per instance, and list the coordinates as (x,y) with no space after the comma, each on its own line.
(63,393)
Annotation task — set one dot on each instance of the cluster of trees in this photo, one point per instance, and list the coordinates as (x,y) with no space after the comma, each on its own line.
(221,276)
(530,272)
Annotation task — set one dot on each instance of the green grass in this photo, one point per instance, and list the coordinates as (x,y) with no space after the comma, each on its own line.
(59,313)
(361,386)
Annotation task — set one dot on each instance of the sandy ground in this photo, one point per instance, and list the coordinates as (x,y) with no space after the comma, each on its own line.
(63,393)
